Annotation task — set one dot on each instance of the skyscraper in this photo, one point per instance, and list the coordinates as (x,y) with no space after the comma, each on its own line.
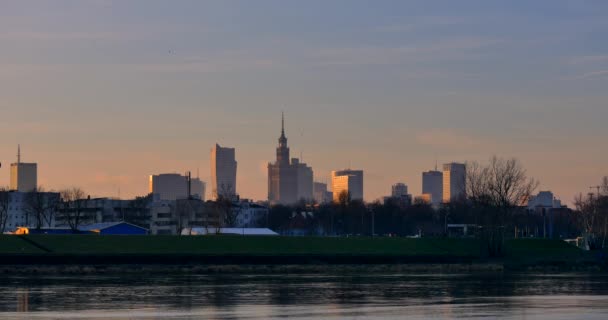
(288,181)
(350,181)
(432,185)
(223,172)
(454,181)
(24,176)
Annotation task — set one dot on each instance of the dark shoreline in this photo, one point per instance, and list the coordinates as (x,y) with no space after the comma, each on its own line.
(270,264)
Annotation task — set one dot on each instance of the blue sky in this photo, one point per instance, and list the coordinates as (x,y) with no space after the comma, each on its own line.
(103,93)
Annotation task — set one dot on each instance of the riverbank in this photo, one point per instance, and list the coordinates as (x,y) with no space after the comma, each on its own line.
(90,254)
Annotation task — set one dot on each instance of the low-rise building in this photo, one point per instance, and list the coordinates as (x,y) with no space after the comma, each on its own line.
(249,215)
(28,209)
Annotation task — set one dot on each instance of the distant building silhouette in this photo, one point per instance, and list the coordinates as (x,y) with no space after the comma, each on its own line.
(24,176)
(223,172)
(399,195)
(432,187)
(350,181)
(398,190)
(454,180)
(288,181)
(321,194)
(173,186)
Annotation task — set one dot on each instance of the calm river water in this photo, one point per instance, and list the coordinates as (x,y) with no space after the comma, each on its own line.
(319,296)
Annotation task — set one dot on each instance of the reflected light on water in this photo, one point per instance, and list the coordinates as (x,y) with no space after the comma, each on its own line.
(306,297)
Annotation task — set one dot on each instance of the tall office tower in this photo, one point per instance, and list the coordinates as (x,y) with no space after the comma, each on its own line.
(282,176)
(173,186)
(454,181)
(432,185)
(24,176)
(305,179)
(223,172)
(350,181)
(398,190)
(321,194)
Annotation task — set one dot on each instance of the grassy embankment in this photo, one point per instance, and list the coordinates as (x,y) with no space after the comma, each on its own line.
(517,251)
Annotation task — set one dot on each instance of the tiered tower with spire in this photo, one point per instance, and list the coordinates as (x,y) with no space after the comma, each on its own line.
(288,179)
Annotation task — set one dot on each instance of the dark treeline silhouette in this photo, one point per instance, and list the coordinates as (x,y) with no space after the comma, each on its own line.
(419,219)
(493,206)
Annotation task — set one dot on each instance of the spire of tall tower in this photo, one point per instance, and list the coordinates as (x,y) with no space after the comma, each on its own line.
(282,139)
(282,123)
(282,149)
(18,153)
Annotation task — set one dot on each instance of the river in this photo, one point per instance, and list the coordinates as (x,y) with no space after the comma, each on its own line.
(318,296)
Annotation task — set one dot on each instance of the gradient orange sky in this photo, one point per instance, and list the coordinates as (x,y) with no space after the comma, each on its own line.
(102,94)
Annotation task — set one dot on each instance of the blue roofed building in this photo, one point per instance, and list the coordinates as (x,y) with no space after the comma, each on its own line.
(114,228)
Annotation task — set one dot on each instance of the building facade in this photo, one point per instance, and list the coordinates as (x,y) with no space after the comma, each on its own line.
(24,176)
(249,215)
(173,186)
(432,186)
(289,180)
(544,199)
(27,209)
(399,190)
(349,181)
(223,172)
(454,182)
(321,194)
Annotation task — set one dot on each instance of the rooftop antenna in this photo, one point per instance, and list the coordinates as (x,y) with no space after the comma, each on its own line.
(189,185)
(18,153)
(435,163)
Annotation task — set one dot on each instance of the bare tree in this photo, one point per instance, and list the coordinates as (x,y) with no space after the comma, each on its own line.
(138,212)
(226,191)
(4,204)
(593,215)
(494,191)
(73,207)
(40,206)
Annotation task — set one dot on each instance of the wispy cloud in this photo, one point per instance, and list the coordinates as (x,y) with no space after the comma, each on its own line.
(449,139)
(59,35)
(592,74)
(589,59)
(445,49)
(422,23)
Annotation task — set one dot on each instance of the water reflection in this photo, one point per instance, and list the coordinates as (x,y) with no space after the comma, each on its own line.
(305,296)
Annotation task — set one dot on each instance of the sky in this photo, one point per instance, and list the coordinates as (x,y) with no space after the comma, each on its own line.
(101,94)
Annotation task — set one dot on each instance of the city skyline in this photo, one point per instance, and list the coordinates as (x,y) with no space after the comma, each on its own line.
(388,90)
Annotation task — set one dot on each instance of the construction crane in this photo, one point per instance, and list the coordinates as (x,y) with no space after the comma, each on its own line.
(597,188)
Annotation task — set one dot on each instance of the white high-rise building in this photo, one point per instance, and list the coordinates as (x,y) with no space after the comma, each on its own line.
(454,181)
(24,176)
(432,186)
(223,172)
(350,181)
(174,186)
